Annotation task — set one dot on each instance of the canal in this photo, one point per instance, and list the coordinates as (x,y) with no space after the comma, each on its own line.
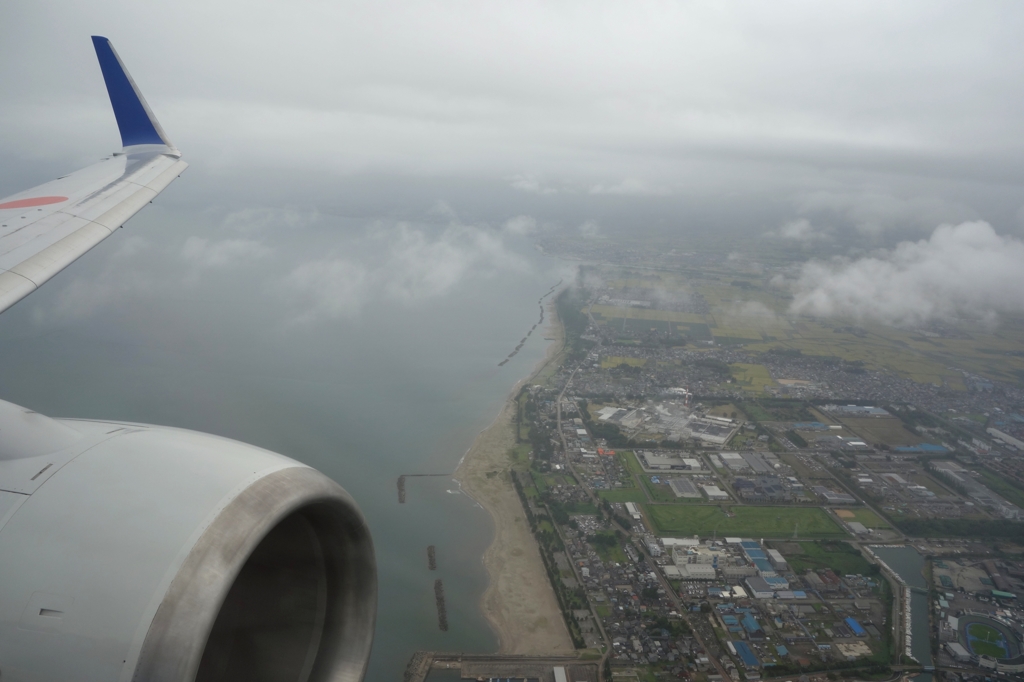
(908,564)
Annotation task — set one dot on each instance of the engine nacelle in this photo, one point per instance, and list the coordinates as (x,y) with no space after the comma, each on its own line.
(132,552)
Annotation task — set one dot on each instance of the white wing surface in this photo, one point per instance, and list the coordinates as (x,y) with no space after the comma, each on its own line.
(44,229)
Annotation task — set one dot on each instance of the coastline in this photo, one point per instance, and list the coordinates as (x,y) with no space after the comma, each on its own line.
(519,602)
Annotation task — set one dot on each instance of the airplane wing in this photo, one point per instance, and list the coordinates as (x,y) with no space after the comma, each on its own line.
(44,229)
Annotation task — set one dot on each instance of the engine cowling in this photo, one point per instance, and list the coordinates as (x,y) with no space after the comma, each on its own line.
(134,552)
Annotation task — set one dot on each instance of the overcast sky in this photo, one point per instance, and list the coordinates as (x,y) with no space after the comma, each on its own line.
(863,122)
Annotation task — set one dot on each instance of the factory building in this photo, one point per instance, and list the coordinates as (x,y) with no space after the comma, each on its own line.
(777,560)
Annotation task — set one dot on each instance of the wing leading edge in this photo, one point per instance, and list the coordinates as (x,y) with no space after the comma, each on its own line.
(44,229)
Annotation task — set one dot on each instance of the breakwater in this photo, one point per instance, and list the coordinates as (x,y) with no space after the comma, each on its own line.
(442,612)
(540,304)
(401,483)
(431,558)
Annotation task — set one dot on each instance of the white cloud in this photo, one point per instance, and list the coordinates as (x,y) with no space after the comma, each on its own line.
(328,288)
(521,225)
(122,279)
(875,212)
(965,270)
(630,187)
(410,265)
(204,253)
(261,220)
(752,309)
(528,183)
(797,230)
(590,228)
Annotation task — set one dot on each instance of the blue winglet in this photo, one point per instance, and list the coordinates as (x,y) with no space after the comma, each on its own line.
(135,120)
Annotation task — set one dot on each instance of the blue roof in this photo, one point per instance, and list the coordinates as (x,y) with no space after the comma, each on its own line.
(750,624)
(756,554)
(750,544)
(744,652)
(776,581)
(799,594)
(764,565)
(729,620)
(781,650)
(855,626)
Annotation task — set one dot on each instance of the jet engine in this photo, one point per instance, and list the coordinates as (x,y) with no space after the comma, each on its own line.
(134,552)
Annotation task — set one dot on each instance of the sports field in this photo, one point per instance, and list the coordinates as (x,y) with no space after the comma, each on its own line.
(986,641)
(755,522)
(869,518)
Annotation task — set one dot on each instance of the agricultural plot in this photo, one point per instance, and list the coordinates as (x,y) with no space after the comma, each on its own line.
(623,495)
(609,312)
(841,557)
(1002,486)
(888,431)
(615,360)
(745,521)
(751,377)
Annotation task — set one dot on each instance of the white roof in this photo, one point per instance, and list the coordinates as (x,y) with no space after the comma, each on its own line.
(680,542)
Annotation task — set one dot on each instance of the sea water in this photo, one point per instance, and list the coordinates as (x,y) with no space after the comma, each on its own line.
(400,384)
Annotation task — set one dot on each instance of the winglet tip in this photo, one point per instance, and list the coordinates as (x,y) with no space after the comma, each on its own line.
(137,124)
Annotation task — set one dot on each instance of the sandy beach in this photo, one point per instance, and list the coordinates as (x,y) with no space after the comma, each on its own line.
(519,602)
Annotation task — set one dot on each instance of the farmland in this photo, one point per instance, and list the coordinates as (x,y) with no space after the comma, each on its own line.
(745,521)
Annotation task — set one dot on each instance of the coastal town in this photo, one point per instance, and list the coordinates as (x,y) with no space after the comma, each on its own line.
(710,506)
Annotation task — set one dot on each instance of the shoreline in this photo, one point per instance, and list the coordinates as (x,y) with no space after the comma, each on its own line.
(519,601)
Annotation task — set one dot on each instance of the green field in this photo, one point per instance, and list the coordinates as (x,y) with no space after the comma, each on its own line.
(883,430)
(755,317)
(841,557)
(869,518)
(986,641)
(772,522)
(623,495)
(751,377)
(1000,485)
(609,551)
(616,360)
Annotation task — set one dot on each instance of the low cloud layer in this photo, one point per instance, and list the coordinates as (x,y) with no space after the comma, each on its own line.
(873,212)
(408,264)
(797,230)
(961,271)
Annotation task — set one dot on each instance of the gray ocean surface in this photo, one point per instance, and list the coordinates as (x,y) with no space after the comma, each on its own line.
(151,327)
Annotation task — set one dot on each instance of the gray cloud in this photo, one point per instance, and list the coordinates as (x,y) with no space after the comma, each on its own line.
(407,264)
(206,253)
(797,230)
(967,270)
(873,212)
